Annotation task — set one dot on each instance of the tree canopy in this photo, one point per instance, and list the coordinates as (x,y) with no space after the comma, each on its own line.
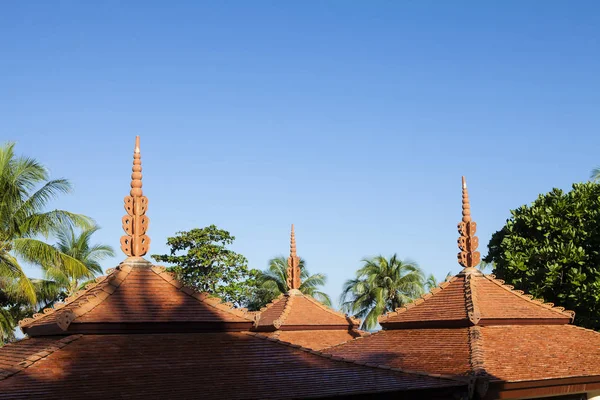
(202,260)
(273,281)
(551,249)
(25,191)
(381,285)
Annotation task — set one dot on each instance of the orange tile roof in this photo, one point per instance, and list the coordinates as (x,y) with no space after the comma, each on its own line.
(439,351)
(508,353)
(316,339)
(294,309)
(231,365)
(471,298)
(132,295)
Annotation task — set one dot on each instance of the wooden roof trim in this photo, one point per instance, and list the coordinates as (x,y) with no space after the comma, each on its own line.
(203,297)
(519,293)
(82,301)
(383,318)
(35,357)
(349,361)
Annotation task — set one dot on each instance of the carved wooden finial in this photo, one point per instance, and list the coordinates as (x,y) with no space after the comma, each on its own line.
(293,272)
(468,256)
(136,243)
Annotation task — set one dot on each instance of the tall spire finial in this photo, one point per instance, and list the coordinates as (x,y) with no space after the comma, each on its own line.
(468,256)
(293,272)
(135,223)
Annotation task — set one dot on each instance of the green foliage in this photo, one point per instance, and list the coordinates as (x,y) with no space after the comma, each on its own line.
(381,285)
(551,249)
(273,281)
(60,283)
(203,261)
(25,191)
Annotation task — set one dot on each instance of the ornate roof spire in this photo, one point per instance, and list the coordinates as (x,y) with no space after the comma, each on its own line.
(468,256)
(293,272)
(135,223)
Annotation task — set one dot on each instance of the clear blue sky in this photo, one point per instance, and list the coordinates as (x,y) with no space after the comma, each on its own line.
(353,120)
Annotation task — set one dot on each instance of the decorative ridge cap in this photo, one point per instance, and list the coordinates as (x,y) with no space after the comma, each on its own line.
(477,350)
(417,301)
(582,328)
(202,297)
(39,355)
(470,300)
(548,306)
(284,313)
(348,361)
(71,302)
(352,319)
(258,314)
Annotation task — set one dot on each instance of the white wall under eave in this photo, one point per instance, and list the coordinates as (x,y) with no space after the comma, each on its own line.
(595,395)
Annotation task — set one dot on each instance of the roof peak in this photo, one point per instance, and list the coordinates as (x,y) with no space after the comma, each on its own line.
(293,271)
(135,224)
(468,256)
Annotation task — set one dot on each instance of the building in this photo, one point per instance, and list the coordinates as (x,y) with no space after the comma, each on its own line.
(140,333)
(509,345)
(299,319)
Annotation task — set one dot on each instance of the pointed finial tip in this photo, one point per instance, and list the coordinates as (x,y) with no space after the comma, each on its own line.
(137,144)
(464,183)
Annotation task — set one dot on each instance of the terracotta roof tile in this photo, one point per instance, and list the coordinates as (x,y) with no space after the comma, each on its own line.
(209,365)
(315,339)
(507,353)
(439,351)
(134,295)
(297,309)
(532,352)
(473,298)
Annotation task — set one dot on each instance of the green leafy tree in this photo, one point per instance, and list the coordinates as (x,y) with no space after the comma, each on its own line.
(551,249)
(25,191)
(381,285)
(202,260)
(60,283)
(273,281)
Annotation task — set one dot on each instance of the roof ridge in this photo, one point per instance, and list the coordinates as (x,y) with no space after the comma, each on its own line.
(203,297)
(39,355)
(476,349)
(74,302)
(348,361)
(355,321)
(528,297)
(417,301)
(284,313)
(470,302)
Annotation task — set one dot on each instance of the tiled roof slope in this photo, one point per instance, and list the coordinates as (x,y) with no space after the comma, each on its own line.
(295,309)
(439,351)
(132,295)
(201,365)
(508,353)
(472,298)
(316,339)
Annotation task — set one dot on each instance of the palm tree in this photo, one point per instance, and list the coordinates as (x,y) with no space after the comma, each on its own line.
(25,190)
(595,175)
(273,281)
(381,285)
(78,246)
